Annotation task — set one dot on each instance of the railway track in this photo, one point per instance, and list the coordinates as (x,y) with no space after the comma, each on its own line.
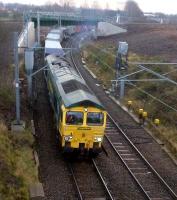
(83,182)
(149,181)
(147,178)
(54,172)
(57,179)
(108,184)
(96,168)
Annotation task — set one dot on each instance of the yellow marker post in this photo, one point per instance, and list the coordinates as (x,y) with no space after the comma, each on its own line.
(157,122)
(129,104)
(144,114)
(140,112)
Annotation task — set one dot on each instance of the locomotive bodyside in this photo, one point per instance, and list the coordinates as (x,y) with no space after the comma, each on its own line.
(80,117)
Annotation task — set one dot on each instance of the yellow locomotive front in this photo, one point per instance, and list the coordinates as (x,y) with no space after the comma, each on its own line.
(82,129)
(80,117)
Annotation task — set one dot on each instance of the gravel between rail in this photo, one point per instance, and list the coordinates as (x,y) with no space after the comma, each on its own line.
(54,173)
(152,151)
(53,170)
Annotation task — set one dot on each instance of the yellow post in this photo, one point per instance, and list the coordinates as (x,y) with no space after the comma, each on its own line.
(140,112)
(129,104)
(157,122)
(144,116)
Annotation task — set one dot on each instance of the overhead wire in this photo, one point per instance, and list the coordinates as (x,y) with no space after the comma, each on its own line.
(148,94)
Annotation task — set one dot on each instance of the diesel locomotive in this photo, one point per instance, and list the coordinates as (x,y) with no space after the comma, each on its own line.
(79,115)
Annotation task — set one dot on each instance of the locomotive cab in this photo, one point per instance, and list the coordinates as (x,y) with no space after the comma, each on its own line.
(82,129)
(80,117)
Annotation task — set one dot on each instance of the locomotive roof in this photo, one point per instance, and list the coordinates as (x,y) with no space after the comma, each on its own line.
(70,85)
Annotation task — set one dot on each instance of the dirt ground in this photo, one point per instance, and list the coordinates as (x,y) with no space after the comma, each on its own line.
(150,40)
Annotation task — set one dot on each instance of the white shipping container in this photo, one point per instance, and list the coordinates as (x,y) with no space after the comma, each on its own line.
(106,29)
(53,47)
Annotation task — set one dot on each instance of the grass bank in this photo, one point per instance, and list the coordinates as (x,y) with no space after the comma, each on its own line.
(159,99)
(17,167)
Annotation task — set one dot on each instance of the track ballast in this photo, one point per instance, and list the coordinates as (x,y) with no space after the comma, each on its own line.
(150,182)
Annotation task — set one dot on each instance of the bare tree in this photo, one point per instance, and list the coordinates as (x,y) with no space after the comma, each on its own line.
(95,5)
(66,3)
(132,9)
(60,2)
(71,3)
(107,6)
(48,3)
(120,5)
(85,4)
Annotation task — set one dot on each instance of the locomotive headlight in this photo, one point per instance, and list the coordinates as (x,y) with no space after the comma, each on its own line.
(98,139)
(68,138)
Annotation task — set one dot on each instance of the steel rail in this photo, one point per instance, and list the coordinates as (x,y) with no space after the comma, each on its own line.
(136,180)
(102,180)
(72,58)
(100,176)
(167,187)
(75,181)
(94,163)
(131,173)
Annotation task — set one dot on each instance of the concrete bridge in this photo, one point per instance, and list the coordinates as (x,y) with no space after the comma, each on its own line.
(31,32)
(62,18)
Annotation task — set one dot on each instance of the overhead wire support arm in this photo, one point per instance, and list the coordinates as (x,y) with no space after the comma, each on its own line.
(38,70)
(153,97)
(151,63)
(157,74)
(122,77)
(144,80)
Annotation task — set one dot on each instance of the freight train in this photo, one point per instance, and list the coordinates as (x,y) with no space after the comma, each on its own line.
(79,115)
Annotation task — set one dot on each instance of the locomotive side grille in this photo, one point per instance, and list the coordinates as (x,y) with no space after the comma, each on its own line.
(73,85)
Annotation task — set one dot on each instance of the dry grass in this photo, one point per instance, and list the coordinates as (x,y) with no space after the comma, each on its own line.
(97,61)
(17,167)
(16,164)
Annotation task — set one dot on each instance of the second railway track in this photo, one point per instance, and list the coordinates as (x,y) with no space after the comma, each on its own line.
(57,179)
(150,182)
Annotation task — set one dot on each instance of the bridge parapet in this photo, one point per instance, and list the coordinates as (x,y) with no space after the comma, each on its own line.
(51,18)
